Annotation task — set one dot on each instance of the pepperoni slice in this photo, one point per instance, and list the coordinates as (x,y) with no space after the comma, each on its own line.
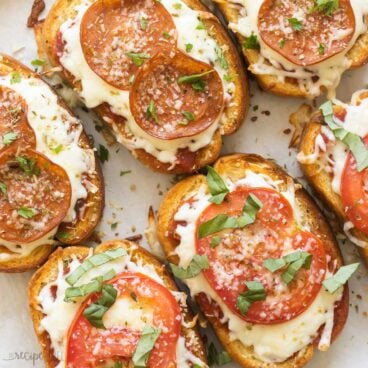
(14,127)
(167,105)
(302,34)
(354,192)
(118,36)
(88,346)
(35,195)
(240,255)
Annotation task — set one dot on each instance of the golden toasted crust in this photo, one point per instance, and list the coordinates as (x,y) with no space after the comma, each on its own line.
(358,54)
(82,227)
(321,181)
(234,167)
(48,272)
(235,113)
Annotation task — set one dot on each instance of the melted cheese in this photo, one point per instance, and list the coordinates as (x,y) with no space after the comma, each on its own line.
(272,63)
(96,91)
(54,127)
(58,315)
(273,343)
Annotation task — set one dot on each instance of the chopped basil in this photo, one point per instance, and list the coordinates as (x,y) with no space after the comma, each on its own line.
(15,78)
(38,62)
(340,278)
(197,264)
(95,312)
(138,58)
(118,365)
(58,149)
(122,173)
(114,226)
(62,235)
(321,49)
(294,262)
(215,241)
(188,115)
(177,6)
(326,6)
(28,165)
(228,78)
(145,345)
(188,47)
(217,358)
(353,141)
(222,221)
(94,261)
(151,111)
(282,43)
(251,42)
(195,80)
(216,186)
(255,292)
(95,286)
(166,35)
(103,153)
(221,59)
(26,212)
(9,138)
(3,188)
(143,23)
(295,24)
(200,25)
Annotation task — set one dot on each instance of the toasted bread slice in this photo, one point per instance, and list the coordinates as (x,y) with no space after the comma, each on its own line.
(321,181)
(48,273)
(358,55)
(234,113)
(73,232)
(234,166)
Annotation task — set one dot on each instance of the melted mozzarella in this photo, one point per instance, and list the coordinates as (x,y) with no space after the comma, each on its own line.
(54,127)
(272,63)
(273,343)
(96,91)
(58,315)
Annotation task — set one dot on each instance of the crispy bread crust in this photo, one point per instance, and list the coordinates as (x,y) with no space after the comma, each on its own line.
(48,272)
(74,232)
(63,10)
(321,182)
(234,166)
(358,54)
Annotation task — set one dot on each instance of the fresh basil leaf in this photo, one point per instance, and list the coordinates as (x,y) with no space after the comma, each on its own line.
(217,358)
(15,78)
(216,185)
(151,111)
(340,278)
(221,59)
(95,312)
(255,292)
(118,365)
(94,261)
(215,241)
(138,58)
(195,80)
(9,138)
(326,6)
(188,47)
(3,188)
(295,24)
(26,212)
(38,62)
(145,345)
(103,153)
(195,267)
(251,42)
(222,221)
(28,165)
(274,265)
(353,141)
(188,115)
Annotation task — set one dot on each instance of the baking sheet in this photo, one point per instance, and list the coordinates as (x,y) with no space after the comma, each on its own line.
(128,197)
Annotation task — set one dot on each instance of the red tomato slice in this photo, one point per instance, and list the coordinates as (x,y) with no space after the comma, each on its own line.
(13,119)
(240,255)
(180,110)
(354,192)
(32,201)
(88,346)
(111,29)
(302,36)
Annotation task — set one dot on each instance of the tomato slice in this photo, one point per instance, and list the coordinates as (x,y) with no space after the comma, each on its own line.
(354,194)
(114,32)
(88,346)
(240,255)
(302,36)
(35,195)
(180,109)
(13,120)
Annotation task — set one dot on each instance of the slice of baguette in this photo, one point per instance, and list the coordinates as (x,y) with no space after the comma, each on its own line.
(358,55)
(321,181)
(49,271)
(234,166)
(83,226)
(235,113)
